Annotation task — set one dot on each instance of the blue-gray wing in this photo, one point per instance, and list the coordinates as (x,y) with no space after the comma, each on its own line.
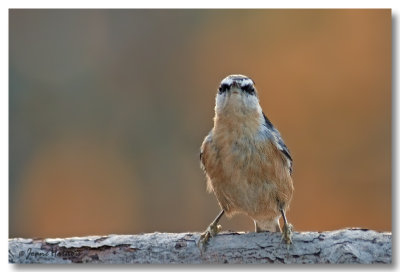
(206,141)
(279,141)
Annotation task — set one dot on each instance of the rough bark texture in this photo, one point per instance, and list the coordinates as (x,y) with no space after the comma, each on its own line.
(341,246)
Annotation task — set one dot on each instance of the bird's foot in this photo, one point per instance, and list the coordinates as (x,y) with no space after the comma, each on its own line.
(211,231)
(287,233)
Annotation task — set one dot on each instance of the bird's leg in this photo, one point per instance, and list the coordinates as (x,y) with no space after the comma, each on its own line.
(211,231)
(287,229)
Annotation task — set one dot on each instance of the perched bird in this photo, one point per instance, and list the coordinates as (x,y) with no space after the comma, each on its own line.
(247,164)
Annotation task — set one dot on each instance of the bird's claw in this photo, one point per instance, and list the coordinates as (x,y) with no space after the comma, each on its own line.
(211,231)
(287,233)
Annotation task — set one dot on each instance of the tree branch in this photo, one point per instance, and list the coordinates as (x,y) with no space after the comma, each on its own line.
(340,246)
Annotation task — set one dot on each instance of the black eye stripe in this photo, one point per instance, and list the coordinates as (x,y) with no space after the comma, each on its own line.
(223,88)
(248,89)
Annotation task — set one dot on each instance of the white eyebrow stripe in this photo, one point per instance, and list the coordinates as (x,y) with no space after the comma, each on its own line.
(246,81)
(228,81)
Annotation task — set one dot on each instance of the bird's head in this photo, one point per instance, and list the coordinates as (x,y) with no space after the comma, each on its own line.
(237,93)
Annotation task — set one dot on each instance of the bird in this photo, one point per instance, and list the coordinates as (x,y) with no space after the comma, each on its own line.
(246,162)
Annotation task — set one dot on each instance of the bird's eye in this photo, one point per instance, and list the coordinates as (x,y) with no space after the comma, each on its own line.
(248,89)
(223,88)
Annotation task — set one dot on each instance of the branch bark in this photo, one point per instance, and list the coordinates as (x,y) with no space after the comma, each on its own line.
(340,246)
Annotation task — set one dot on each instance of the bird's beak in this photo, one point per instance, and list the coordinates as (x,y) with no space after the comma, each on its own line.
(235,88)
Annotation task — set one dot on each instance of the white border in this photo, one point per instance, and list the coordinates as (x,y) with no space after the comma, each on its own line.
(5,5)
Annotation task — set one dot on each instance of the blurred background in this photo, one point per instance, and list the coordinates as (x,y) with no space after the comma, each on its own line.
(108,109)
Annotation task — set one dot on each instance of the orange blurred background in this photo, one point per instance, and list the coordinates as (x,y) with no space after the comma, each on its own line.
(108,109)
